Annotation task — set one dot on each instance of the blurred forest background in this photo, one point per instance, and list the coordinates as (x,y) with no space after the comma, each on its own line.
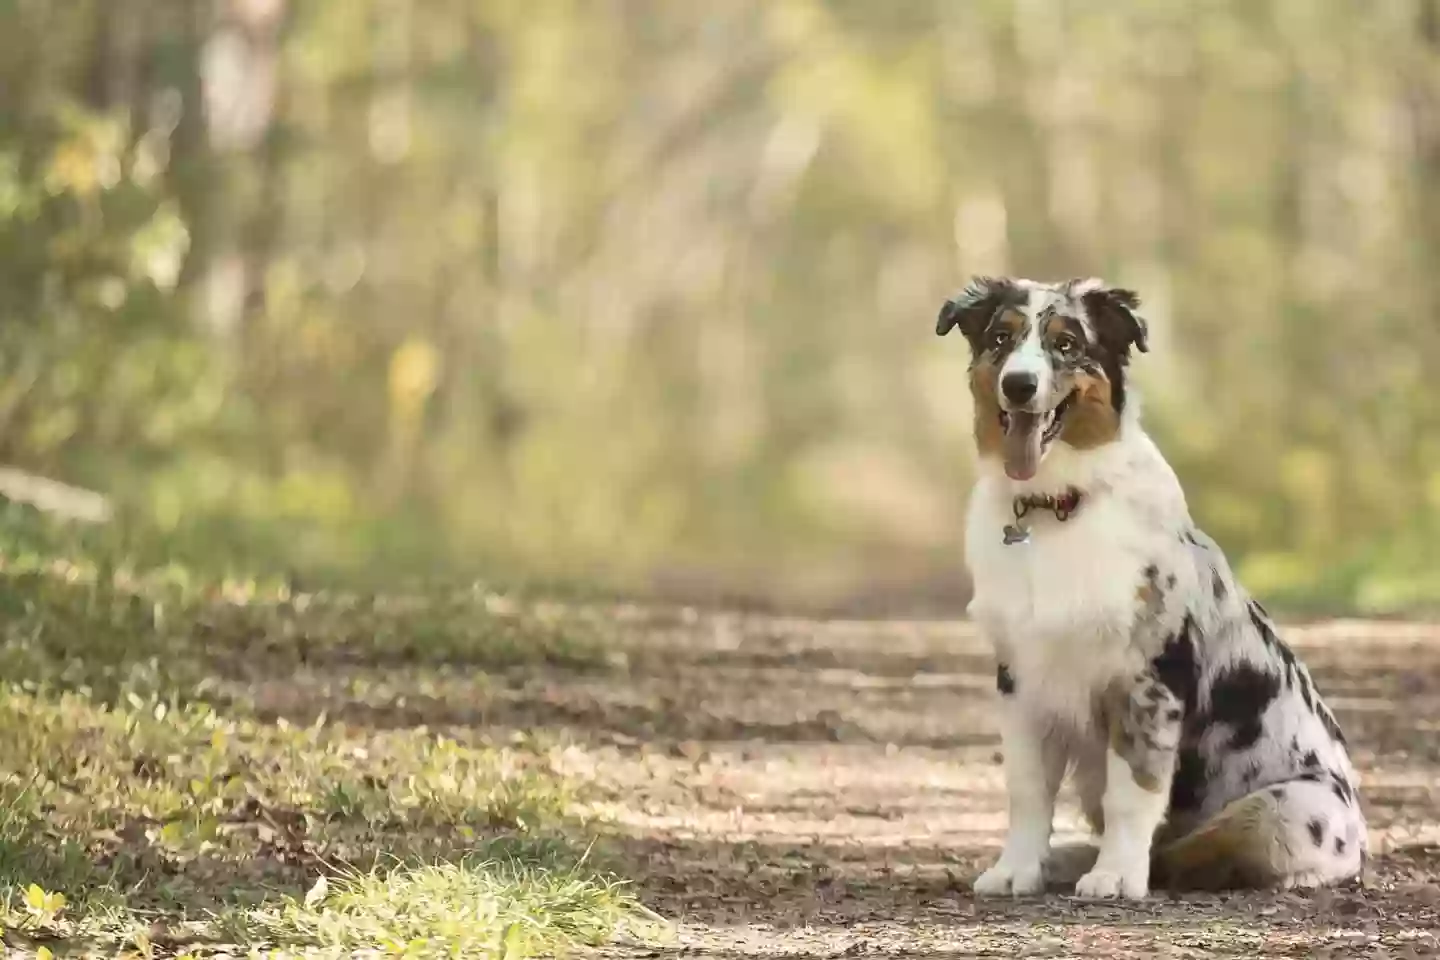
(641,294)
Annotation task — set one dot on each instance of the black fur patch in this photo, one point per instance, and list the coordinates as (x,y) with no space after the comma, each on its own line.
(1331,727)
(1187,790)
(1178,670)
(1262,624)
(1287,656)
(1311,759)
(1240,697)
(1341,788)
(1004,680)
(1340,846)
(1117,328)
(1317,831)
(1217,584)
(1176,666)
(1293,673)
(976,306)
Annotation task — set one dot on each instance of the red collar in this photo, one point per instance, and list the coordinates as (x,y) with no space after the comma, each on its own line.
(1063,505)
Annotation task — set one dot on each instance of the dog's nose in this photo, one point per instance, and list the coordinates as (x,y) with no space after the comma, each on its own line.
(1019,387)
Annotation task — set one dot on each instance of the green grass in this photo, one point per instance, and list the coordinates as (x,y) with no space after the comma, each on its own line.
(148,808)
(484,903)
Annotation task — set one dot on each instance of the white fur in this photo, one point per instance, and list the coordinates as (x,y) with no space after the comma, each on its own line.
(1034,767)
(1132,815)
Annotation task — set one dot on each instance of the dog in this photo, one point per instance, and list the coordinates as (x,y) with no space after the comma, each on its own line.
(1203,754)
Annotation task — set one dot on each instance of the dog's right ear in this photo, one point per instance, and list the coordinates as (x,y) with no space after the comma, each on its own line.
(972,309)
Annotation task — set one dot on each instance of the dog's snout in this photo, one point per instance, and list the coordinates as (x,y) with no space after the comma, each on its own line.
(1019,387)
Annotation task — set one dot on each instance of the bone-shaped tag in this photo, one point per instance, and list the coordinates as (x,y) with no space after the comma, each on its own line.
(1014,533)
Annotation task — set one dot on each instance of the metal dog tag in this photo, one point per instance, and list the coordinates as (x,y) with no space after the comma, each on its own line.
(1014,533)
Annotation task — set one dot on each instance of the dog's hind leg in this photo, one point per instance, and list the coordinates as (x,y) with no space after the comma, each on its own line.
(1305,832)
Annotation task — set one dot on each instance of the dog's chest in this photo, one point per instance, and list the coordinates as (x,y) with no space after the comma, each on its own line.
(1061,606)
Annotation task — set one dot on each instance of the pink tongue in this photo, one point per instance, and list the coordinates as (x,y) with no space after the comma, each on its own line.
(1021,447)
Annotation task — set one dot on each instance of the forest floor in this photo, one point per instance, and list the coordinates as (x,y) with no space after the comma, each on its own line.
(825,789)
(223,769)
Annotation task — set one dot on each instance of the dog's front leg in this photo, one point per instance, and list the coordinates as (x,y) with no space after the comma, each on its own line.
(1034,765)
(1142,718)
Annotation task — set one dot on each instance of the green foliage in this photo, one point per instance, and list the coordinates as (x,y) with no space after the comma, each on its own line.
(95,361)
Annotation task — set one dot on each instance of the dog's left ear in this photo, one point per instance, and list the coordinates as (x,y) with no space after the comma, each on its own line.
(1112,311)
(972,309)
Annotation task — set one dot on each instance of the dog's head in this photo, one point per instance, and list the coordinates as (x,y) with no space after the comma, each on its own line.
(1047,363)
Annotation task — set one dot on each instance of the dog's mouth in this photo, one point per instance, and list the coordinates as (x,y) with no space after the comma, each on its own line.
(1028,435)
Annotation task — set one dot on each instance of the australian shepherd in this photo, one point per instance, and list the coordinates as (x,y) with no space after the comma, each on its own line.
(1203,754)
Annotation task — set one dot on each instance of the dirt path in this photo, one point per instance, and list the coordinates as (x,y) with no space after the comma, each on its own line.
(792,788)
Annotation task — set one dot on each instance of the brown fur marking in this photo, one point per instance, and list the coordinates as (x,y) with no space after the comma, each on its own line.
(1058,324)
(1092,420)
(985,385)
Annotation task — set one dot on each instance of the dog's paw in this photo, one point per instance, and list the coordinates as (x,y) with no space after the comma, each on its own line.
(1101,884)
(1004,878)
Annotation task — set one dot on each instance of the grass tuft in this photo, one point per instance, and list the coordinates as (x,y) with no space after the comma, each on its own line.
(483,905)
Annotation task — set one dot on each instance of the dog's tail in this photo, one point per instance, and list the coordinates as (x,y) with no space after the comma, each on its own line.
(1300,832)
(1068,862)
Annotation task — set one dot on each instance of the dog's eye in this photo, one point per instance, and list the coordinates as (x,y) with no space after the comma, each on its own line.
(996,339)
(1066,345)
